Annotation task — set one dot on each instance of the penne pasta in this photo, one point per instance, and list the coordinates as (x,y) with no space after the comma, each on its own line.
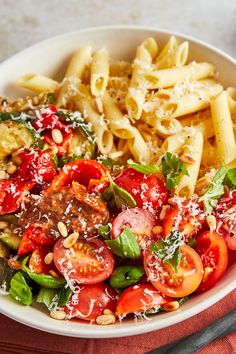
(37,83)
(99,72)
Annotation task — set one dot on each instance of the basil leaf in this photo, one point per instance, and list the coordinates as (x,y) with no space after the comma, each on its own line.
(50,99)
(20,290)
(111,165)
(183,300)
(230,178)
(168,249)
(48,297)
(215,191)
(55,161)
(192,242)
(172,169)
(124,276)
(118,197)
(64,296)
(146,169)
(105,231)
(126,245)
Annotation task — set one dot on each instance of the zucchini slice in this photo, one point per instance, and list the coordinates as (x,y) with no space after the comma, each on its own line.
(80,145)
(4,250)
(13,136)
(11,240)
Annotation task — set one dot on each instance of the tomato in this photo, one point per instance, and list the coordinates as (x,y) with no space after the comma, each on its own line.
(32,238)
(89,173)
(12,194)
(184,282)
(89,301)
(37,263)
(213,251)
(36,166)
(139,298)
(148,190)
(226,219)
(87,262)
(187,218)
(140,222)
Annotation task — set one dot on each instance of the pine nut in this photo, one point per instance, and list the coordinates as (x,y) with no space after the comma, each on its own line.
(11,169)
(3,175)
(206,274)
(53,274)
(105,319)
(71,240)
(57,136)
(211,221)
(62,229)
(163,212)
(171,306)
(187,159)
(3,225)
(48,259)
(157,230)
(58,314)
(99,105)
(108,312)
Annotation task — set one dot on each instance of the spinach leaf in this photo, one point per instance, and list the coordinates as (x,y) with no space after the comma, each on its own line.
(215,191)
(105,231)
(146,169)
(118,197)
(172,169)
(126,245)
(20,290)
(168,249)
(230,178)
(126,275)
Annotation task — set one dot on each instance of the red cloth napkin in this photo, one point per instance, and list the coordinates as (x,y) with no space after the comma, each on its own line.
(20,339)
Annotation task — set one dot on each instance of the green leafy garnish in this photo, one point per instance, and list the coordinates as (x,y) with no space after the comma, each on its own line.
(172,169)
(215,191)
(230,178)
(183,300)
(105,231)
(118,197)
(168,249)
(125,245)
(20,290)
(55,161)
(111,165)
(192,242)
(146,169)
(50,99)
(48,297)
(64,296)
(126,275)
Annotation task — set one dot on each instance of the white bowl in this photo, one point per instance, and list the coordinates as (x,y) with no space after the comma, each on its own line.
(50,57)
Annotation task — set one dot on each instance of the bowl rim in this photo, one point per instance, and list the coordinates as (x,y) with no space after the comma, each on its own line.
(86,331)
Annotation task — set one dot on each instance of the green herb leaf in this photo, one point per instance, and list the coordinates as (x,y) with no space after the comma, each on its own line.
(168,249)
(230,178)
(192,242)
(126,245)
(146,169)
(55,161)
(172,169)
(64,296)
(111,165)
(48,297)
(124,276)
(50,99)
(118,197)
(215,191)
(105,231)
(183,300)
(20,290)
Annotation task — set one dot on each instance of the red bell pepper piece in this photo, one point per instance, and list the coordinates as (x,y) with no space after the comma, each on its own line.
(33,238)
(12,194)
(89,173)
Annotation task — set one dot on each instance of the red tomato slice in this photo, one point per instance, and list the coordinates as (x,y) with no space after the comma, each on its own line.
(32,238)
(139,298)
(226,219)
(36,166)
(87,262)
(213,251)
(187,218)
(172,284)
(89,173)
(140,222)
(36,261)
(148,190)
(89,301)
(12,194)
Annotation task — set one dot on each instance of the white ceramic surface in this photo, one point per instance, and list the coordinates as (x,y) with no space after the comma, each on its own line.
(50,57)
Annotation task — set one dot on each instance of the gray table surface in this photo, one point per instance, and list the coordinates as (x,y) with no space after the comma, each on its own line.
(25,22)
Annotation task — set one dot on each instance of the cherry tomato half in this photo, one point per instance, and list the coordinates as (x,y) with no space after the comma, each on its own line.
(226,219)
(213,251)
(87,262)
(139,298)
(175,284)
(148,190)
(89,301)
(187,218)
(140,222)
